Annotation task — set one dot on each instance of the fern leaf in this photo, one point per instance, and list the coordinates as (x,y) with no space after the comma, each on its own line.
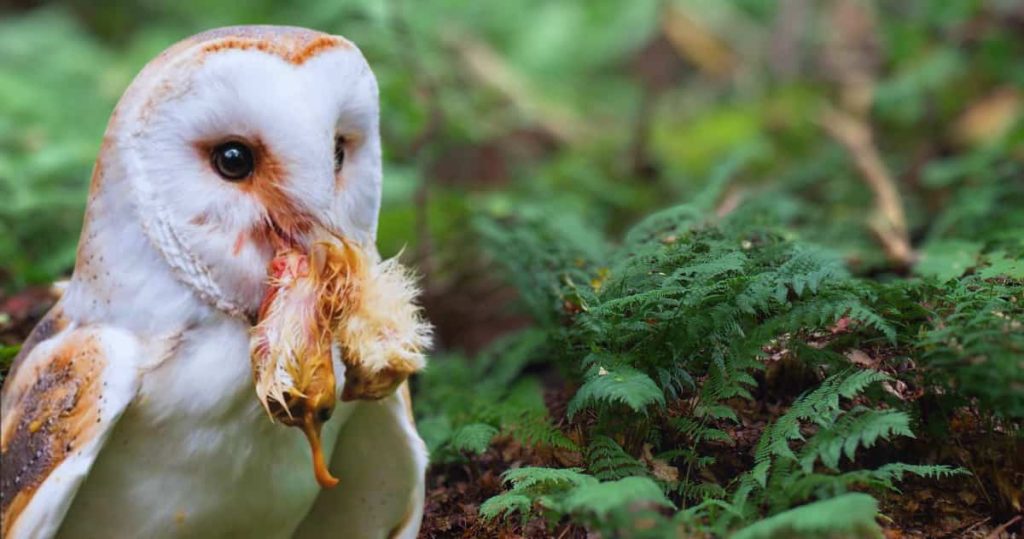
(474,438)
(855,383)
(853,513)
(536,430)
(855,429)
(505,505)
(895,470)
(700,491)
(606,460)
(601,498)
(529,478)
(617,385)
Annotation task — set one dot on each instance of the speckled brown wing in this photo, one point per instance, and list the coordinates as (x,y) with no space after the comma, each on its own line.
(58,408)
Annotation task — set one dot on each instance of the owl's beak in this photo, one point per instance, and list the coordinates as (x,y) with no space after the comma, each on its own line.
(281,239)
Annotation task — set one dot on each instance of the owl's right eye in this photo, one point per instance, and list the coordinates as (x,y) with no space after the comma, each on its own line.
(232,160)
(339,152)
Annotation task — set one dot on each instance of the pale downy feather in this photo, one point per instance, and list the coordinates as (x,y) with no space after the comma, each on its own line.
(338,292)
(285,334)
(385,328)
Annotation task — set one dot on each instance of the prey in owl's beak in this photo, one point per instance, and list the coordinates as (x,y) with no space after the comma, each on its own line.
(290,346)
(334,292)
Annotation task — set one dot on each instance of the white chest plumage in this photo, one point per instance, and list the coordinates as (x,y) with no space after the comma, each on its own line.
(196,456)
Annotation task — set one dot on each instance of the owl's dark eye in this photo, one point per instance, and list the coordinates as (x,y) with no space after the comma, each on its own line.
(232,160)
(339,152)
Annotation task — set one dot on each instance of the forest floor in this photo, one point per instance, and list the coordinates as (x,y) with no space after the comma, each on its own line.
(981,506)
(926,508)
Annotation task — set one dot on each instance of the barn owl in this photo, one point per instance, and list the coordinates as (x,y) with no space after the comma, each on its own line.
(130,411)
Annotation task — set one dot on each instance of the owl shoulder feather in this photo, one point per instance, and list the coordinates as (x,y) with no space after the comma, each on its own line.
(59,405)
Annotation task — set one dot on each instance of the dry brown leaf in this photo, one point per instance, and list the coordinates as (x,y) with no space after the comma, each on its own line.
(967,497)
(859,357)
(698,44)
(989,118)
(661,469)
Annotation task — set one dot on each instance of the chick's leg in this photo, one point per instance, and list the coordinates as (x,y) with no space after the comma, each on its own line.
(382,463)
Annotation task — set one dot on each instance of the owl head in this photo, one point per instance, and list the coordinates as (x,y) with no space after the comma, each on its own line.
(239,140)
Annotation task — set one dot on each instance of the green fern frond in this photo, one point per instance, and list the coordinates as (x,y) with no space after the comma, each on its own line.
(853,384)
(536,430)
(658,225)
(505,505)
(700,491)
(857,428)
(601,498)
(808,267)
(543,480)
(617,385)
(606,460)
(699,432)
(804,486)
(852,513)
(895,471)
(474,438)
(820,406)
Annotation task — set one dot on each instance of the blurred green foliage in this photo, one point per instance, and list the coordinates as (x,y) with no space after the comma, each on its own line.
(541,100)
(63,66)
(523,140)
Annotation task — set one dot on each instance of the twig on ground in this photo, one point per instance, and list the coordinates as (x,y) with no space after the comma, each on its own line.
(996,532)
(889,222)
(975,525)
(699,44)
(485,65)
(732,200)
